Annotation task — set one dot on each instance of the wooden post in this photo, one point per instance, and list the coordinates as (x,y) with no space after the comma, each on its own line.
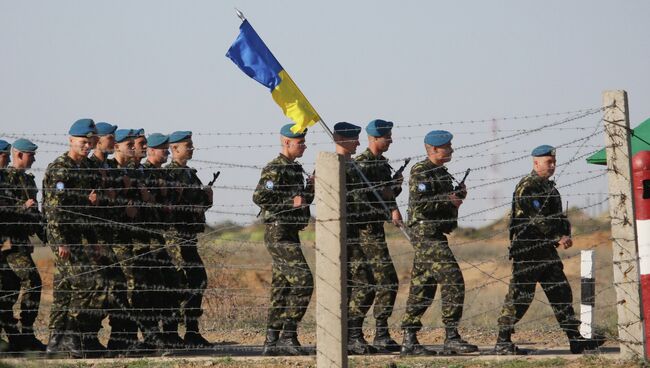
(331,263)
(624,235)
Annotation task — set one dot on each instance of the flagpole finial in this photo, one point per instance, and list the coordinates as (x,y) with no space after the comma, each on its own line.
(240,14)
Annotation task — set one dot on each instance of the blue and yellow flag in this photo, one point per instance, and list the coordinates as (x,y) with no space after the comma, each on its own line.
(252,56)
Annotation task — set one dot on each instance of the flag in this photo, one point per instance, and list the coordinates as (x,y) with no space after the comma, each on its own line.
(252,56)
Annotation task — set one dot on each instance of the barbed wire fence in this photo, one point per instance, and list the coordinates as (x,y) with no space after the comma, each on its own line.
(238,267)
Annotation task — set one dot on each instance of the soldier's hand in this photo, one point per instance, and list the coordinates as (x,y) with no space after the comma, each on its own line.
(462,190)
(298,201)
(92,197)
(455,200)
(565,242)
(396,217)
(311,179)
(29,203)
(64,251)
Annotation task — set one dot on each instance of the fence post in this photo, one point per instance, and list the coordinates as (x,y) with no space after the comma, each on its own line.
(624,236)
(587,292)
(331,262)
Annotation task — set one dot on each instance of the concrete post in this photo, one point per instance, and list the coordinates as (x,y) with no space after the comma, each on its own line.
(624,234)
(331,262)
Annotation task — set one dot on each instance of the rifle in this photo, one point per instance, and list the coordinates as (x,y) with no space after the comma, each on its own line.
(460,193)
(399,171)
(214,178)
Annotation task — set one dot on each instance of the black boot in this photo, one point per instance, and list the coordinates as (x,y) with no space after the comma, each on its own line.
(411,345)
(455,345)
(193,339)
(170,337)
(505,346)
(29,341)
(71,342)
(288,343)
(56,337)
(382,340)
(579,344)
(272,336)
(357,344)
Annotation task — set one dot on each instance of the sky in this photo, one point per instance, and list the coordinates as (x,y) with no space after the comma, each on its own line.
(469,67)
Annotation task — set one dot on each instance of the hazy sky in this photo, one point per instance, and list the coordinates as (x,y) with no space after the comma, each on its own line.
(160,65)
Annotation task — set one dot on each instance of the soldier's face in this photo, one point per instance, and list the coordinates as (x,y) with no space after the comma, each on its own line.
(81,145)
(544,166)
(295,146)
(184,150)
(106,143)
(382,143)
(23,160)
(440,154)
(346,144)
(158,155)
(4,159)
(140,145)
(126,148)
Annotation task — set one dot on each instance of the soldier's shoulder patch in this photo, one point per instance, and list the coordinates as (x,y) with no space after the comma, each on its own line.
(537,204)
(269,184)
(60,186)
(422,187)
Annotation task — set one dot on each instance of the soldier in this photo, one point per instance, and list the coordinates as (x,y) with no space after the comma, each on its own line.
(156,182)
(189,200)
(433,213)
(21,192)
(284,200)
(360,279)
(67,194)
(9,282)
(537,227)
(371,234)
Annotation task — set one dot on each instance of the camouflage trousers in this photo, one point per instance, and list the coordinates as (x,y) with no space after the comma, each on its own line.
(550,275)
(292,283)
(20,261)
(191,275)
(361,283)
(9,292)
(434,264)
(80,295)
(373,243)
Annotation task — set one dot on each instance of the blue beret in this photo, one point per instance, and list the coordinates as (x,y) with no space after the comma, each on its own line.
(180,135)
(83,128)
(24,145)
(543,150)
(105,128)
(4,146)
(438,138)
(138,132)
(379,128)
(156,139)
(123,134)
(347,130)
(286,132)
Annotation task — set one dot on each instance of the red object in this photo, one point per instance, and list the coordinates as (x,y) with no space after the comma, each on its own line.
(641,185)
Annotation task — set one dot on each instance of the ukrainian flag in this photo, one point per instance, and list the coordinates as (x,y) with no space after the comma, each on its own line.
(252,56)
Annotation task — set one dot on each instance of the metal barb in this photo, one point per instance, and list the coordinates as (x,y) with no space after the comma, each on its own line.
(240,14)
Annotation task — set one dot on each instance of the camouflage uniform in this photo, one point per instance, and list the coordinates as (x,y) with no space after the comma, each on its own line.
(371,234)
(28,221)
(361,291)
(79,295)
(292,282)
(430,216)
(189,202)
(9,282)
(537,223)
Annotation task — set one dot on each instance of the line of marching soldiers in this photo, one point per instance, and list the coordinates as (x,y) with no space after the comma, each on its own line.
(124,235)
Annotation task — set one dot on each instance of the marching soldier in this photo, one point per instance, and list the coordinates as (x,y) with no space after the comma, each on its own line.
(189,200)
(27,220)
(371,234)
(67,194)
(433,213)
(284,200)
(360,279)
(156,182)
(537,228)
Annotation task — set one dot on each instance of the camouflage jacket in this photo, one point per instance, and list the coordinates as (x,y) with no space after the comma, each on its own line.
(5,206)
(129,180)
(20,187)
(358,208)
(66,187)
(379,173)
(429,190)
(537,211)
(102,172)
(280,181)
(155,179)
(187,198)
